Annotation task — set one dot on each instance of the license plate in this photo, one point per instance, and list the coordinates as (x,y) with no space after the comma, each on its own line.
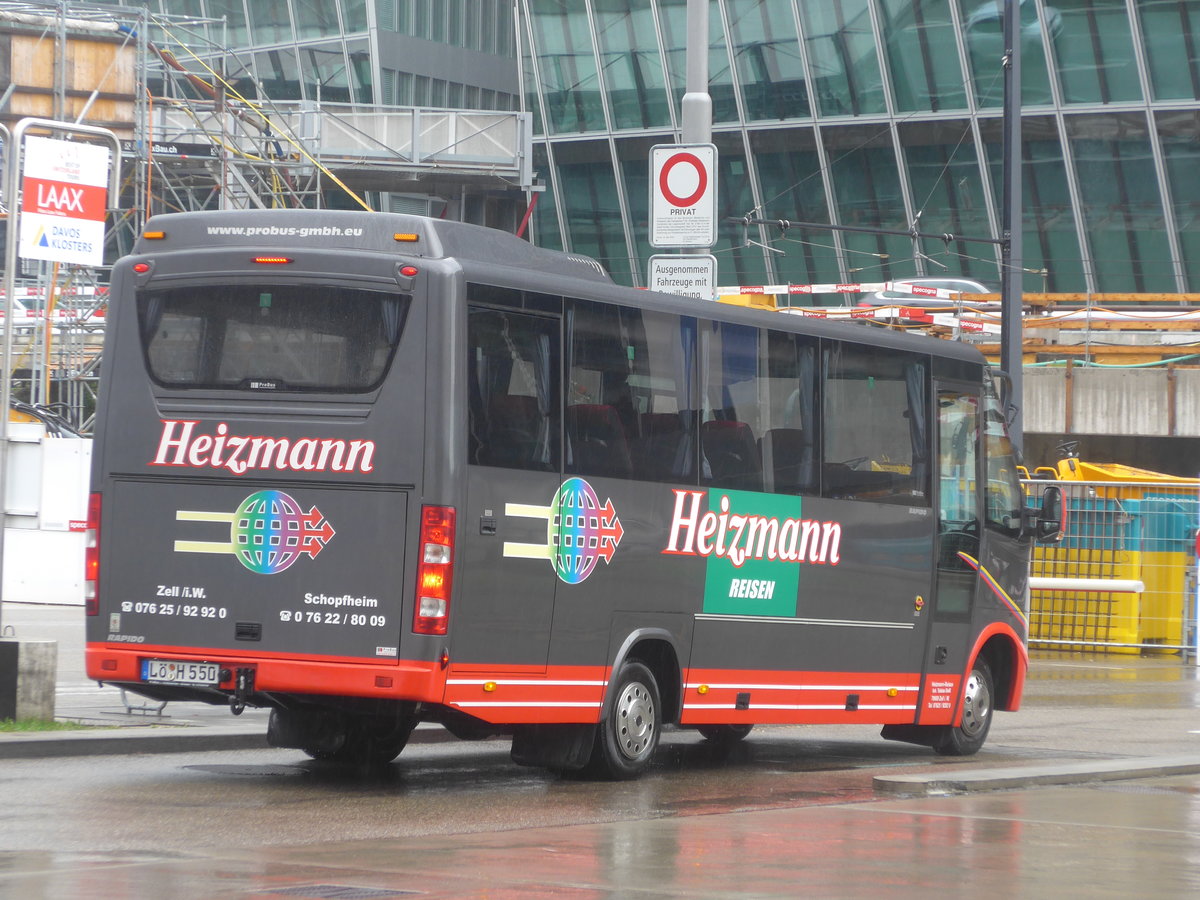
(176,671)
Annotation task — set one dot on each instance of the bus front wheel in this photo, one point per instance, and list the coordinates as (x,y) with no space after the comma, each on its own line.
(628,736)
(968,736)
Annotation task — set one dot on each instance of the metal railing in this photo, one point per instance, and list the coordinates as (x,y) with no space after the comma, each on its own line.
(407,138)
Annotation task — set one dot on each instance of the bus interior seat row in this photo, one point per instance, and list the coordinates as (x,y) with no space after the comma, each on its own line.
(596,440)
(599,444)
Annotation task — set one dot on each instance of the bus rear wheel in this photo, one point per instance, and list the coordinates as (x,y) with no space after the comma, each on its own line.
(968,736)
(357,740)
(628,736)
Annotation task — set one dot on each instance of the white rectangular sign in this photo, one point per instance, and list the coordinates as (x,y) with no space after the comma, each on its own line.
(688,276)
(683,195)
(64,198)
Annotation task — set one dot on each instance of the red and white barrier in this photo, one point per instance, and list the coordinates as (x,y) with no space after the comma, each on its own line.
(904,287)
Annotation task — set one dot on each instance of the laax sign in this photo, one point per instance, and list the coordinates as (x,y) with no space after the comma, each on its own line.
(64,197)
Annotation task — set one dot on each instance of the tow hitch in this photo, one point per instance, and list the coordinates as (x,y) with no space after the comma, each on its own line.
(243,687)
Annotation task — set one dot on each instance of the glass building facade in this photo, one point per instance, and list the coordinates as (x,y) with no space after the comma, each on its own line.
(457,54)
(880,113)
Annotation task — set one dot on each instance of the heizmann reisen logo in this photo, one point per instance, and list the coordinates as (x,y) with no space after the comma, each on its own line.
(579,531)
(755,545)
(267,533)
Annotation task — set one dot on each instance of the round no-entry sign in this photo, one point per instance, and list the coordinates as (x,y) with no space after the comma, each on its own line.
(683,179)
(683,195)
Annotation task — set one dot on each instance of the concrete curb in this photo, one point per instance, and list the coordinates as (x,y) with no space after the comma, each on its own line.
(158,739)
(1028,776)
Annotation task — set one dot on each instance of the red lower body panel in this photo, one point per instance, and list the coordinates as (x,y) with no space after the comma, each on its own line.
(573,694)
(406,680)
(512,696)
(732,697)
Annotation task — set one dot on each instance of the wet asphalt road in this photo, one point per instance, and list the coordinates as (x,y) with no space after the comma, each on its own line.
(786,814)
(455,821)
(792,812)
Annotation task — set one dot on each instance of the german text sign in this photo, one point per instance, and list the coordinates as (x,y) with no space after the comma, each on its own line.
(688,276)
(683,191)
(64,196)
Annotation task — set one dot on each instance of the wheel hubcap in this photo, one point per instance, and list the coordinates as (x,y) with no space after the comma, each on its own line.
(635,720)
(977,705)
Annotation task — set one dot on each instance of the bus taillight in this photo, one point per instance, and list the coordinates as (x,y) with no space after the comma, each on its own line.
(434,575)
(91,557)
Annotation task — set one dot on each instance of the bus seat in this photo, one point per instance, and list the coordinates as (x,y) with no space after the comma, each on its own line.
(658,451)
(787,460)
(597,440)
(514,426)
(732,454)
(661,424)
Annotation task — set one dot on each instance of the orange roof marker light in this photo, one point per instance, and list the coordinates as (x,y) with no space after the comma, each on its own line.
(406,237)
(154,235)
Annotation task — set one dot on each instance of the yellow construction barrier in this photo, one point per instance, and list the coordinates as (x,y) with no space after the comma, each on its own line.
(1124,526)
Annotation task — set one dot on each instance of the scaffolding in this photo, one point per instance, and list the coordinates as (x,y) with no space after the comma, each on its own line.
(198,132)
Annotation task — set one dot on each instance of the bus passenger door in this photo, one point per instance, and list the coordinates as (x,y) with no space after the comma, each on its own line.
(507,578)
(957,545)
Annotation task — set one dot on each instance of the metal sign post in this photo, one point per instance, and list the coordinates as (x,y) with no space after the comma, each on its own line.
(61,193)
(683,177)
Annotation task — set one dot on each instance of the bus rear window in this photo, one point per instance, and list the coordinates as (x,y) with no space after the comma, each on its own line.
(285,337)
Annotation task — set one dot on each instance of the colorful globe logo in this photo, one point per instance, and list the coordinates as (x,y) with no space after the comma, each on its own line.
(581,531)
(267,532)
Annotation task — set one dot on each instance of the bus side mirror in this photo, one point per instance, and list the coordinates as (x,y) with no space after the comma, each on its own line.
(1050,523)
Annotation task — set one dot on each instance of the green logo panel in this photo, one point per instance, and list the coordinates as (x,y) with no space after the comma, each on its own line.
(758,587)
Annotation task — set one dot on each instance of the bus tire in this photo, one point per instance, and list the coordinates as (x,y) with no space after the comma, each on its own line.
(628,736)
(724,734)
(368,743)
(968,736)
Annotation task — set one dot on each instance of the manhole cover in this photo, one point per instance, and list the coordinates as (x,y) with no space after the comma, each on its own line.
(1145,789)
(337,892)
(251,771)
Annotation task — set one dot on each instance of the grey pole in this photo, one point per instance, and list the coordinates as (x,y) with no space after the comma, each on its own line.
(13,157)
(696,107)
(1011,256)
(697,104)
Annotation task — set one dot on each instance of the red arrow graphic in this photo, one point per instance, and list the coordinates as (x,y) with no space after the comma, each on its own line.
(316,533)
(610,532)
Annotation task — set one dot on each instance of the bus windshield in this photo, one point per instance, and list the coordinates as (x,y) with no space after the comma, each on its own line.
(273,337)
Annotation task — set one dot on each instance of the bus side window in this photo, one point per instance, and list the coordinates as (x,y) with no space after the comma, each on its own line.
(513,401)
(731,415)
(629,409)
(788,443)
(1003,493)
(875,425)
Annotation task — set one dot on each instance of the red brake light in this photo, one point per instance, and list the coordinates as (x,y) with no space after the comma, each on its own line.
(436,570)
(91,557)
(272,260)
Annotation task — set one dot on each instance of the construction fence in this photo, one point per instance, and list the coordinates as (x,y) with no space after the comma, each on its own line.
(1123,579)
